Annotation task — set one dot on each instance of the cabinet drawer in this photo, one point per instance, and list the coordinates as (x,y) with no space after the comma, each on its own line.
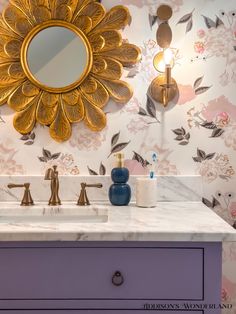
(87,273)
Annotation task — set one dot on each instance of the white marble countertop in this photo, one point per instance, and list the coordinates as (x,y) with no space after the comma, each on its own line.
(169,221)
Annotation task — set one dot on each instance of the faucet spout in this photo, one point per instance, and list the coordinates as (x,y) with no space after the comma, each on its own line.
(53,175)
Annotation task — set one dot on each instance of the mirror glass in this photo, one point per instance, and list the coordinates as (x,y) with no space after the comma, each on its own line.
(57,57)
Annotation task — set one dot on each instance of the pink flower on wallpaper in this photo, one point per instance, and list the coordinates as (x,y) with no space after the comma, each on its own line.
(186,94)
(229,288)
(229,137)
(224,295)
(65,163)
(8,163)
(220,41)
(222,119)
(164,166)
(199,47)
(87,140)
(221,110)
(232,209)
(146,68)
(201,33)
(219,167)
(137,124)
(135,167)
(132,106)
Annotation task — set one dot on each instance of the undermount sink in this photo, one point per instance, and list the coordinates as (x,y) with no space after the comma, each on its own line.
(11,213)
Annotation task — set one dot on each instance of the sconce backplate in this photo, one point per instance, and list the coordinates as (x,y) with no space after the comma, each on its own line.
(164,12)
(156,89)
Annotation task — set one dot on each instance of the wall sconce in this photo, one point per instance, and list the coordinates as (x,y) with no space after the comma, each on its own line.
(164,88)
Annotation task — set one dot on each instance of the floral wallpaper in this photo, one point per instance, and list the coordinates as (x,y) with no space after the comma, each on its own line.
(195,135)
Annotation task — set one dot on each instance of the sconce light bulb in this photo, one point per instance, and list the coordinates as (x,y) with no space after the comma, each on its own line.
(168,56)
(160,67)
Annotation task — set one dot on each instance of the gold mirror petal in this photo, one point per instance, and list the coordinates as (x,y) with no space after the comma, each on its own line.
(89,86)
(5,92)
(95,11)
(71,98)
(63,12)
(45,114)
(18,101)
(100,97)
(120,91)
(95,118)
(24,121)
(60,129)
(85,98)
(6,31)
(114,70)
(127,54)
(97,43)
(74,113)
(12,48)
(10,73)
(17,21)
(50,99)
(117,18)
(41,14)
(112,39)
(99,65)
(30,90)
(84,23)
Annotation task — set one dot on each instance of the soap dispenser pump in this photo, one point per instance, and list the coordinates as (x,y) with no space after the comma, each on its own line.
(120,191)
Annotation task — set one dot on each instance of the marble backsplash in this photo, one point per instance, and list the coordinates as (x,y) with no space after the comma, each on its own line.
(170,188)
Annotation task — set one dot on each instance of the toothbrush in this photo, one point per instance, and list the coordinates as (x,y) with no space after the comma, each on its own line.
(154,159)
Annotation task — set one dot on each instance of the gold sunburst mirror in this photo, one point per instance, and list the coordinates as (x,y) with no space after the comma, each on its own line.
(61,61)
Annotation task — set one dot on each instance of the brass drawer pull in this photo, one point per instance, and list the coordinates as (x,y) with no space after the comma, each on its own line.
(117,279)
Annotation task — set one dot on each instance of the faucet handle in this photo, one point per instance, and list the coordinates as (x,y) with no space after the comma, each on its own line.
(83,198)
(27,198)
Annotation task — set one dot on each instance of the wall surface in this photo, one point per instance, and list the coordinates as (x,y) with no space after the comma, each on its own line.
(198,136)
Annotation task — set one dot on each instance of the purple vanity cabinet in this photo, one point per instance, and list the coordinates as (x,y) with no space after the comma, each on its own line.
(109,277)
(94,312)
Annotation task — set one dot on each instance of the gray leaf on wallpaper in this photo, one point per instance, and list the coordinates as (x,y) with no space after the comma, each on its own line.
(209,22)
(152,20)
(92,172)
(198,82)
(202,90)
(115,139)
(184,143)
(142,112)
(209,125)
(102,169)
(185,18)
(151,108)
(189,26)
(119,147)
(217,132)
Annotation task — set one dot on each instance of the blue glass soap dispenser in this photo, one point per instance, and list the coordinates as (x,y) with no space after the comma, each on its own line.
(120,191)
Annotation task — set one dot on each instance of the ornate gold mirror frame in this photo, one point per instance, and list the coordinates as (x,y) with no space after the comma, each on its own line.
(83,100)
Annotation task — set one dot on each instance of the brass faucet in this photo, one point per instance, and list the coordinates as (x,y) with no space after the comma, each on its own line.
(52,174)
(83,198)
(27,199)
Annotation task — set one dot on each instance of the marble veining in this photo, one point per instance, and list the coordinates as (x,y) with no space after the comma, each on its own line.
(168,221)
